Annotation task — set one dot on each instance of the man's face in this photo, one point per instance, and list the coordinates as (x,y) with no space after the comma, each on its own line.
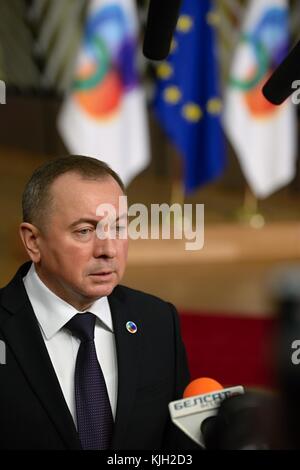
(74,262)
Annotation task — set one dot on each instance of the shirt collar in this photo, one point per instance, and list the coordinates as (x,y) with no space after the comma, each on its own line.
(52,312)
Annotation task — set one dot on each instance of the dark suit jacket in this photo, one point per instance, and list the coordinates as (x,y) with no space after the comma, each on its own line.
(152,371)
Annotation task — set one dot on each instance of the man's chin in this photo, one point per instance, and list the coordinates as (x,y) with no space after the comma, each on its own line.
(101,291)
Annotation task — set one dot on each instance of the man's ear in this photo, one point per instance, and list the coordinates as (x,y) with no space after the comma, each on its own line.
(29,234)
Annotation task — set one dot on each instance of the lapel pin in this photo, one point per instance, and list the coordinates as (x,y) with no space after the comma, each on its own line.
(131,327)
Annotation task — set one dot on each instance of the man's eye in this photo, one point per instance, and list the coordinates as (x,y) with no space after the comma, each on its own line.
(84,231)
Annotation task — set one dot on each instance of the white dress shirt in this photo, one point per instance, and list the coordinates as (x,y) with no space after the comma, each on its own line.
(52,314)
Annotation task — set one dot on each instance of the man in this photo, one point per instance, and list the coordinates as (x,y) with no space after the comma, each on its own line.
(63,387)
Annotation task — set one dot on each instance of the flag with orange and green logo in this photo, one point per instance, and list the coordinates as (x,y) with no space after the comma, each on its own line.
(263,135)
(104,114)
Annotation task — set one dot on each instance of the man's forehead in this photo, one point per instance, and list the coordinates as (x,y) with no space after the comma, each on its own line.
(70,185)
(74,197)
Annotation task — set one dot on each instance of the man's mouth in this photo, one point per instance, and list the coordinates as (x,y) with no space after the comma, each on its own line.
(102,274)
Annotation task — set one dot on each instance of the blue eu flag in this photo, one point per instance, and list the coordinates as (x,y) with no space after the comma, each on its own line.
(187,101)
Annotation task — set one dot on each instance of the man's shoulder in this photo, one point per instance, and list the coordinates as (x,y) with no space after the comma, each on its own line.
(16,280)
(137,297)
(13,295)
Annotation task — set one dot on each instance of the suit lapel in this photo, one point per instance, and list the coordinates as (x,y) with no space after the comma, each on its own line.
(23,335)
(128,356)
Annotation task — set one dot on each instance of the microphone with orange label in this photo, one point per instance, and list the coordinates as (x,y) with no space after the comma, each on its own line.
(201,401)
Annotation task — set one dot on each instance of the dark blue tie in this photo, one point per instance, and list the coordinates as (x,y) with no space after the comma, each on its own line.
(94,416)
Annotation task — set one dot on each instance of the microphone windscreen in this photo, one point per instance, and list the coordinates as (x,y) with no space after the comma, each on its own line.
(201,386)
(279,86)
(161,23)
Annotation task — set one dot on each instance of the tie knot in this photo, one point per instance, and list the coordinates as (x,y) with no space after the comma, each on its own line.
(82,326)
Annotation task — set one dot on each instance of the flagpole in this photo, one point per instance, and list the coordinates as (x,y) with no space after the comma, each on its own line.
(249,213)
(250,202)
(177,192)
(177,195)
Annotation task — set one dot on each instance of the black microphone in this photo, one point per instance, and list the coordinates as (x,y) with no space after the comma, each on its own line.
(243,423)
(280,85)
(161,23)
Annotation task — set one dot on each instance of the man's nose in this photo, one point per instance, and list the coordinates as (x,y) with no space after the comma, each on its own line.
(105,247)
